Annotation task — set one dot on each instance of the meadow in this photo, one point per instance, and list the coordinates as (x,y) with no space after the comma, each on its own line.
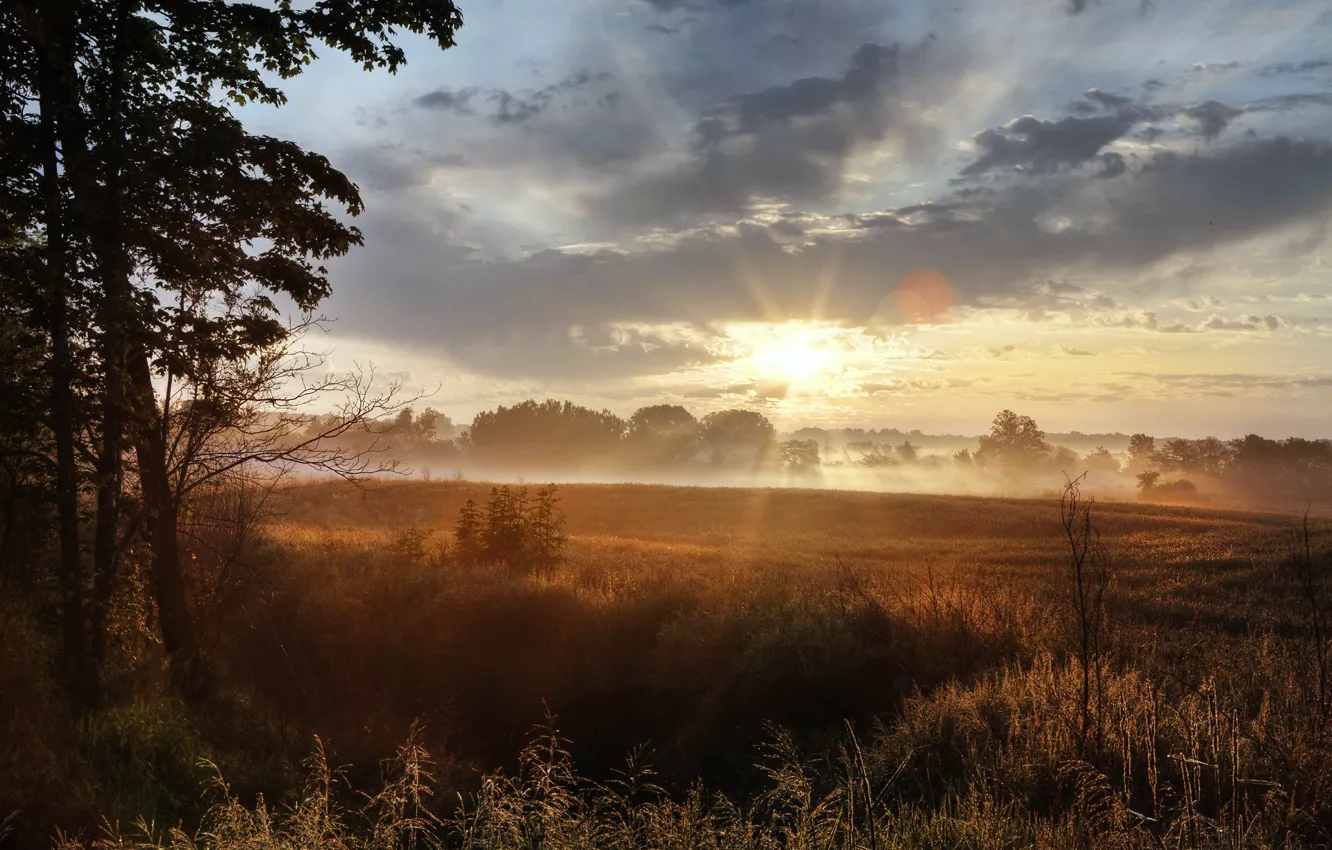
(735,668)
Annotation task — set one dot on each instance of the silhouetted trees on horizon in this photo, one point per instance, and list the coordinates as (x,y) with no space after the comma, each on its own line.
(553,433)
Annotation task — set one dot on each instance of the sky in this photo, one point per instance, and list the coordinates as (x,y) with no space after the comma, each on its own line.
(1111,215)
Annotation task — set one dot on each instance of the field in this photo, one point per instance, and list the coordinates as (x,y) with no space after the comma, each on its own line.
(789,649)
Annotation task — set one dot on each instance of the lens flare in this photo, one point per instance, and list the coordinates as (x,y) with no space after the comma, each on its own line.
(924,297)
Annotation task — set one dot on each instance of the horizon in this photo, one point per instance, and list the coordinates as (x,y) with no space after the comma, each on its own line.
(843,214)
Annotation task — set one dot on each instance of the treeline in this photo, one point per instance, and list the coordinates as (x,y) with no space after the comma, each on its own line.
(1255,465)
(556,434)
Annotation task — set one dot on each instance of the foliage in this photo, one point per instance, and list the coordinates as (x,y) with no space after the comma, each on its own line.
(663,433)
(469,542)
(798,455)
(1014,441)
(1102,461)
(737,434)
(521,533)
(549,430)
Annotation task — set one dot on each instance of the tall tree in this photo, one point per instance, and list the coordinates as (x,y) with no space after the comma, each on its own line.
(144,163)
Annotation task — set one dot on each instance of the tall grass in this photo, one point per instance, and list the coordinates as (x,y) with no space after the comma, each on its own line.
(784,669)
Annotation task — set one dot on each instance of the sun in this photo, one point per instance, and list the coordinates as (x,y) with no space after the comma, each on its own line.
(794,357)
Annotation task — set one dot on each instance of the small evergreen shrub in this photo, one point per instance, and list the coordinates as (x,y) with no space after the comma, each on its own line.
(514,530)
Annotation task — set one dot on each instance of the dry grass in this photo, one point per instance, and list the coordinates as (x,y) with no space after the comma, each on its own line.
(735,634)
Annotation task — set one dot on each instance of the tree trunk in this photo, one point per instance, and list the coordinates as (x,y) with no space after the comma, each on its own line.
(57,101)
(173,606)
(115,316)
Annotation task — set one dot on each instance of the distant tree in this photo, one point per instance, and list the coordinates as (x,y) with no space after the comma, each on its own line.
(737,433)
(1065,459)
(1101,460)
(432,425)
(798,456)
(1181,488)
(907,452)
(873,455)
(1141,452)
(420,435)
(663,433)
(469,534)
(1147,481)
(962,457)
(1208,455)
(662,420)
(1014,441)
(548,430)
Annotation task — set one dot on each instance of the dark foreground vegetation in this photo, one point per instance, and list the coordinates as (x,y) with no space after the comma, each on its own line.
(727,668)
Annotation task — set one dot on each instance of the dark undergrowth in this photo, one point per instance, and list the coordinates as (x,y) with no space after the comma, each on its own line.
(819,688)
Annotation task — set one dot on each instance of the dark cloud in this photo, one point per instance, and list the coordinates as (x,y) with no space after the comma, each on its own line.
(673,5)
(1032,145)
(508,107)
(1306,67)
(1094,100)
(458,101)
(1212,117)
(790,141)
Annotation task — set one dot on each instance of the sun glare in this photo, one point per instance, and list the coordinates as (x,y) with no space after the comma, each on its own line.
(794,357)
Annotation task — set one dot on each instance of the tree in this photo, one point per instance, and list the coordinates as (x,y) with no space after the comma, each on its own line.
(549,430)
(663,433)
(149,199)
(505,533)
(907,452)
(468,534)
(963,458)
(1014,441)
(662,420)
(798,456)
(1101,460)
(545,529)
(1141,453)
(1064,459)
(1147,481)
(737,433)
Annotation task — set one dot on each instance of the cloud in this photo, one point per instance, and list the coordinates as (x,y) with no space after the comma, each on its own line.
(1308,66)
(1075,352)
(1004,246)
(1041,147)
(508,107)
(791,141)
(1244,323)
(458,101)
(1212,116)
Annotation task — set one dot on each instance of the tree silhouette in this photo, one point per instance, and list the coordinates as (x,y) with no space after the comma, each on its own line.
(1014,441)
(165,231)
(663,433)
(798,456)
(737,434)
(1141,452)
(545,431)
